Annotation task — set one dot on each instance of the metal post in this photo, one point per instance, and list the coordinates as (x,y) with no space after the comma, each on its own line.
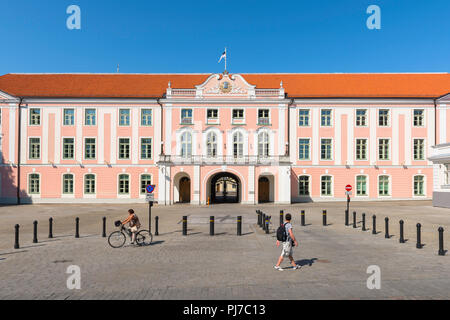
(402,239)
(104,227)
(184,225)
(324,214)
(354,219)
(281,217)
(441,241)
(419,244)
(303,218)
(259,217)
(364,222)
(50,228)
(150,205)
(239,226)
(35,240)
(346,217)
(77,227)
(156,226)
(348,203)
(374,222)
(267,225)
(211,226)
(16,238)
(264,221)
(386,235)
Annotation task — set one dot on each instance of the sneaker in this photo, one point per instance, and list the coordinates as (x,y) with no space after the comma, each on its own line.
(296,267)
(278,268)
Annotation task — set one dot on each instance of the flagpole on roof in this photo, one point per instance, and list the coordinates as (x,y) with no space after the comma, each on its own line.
(225,59)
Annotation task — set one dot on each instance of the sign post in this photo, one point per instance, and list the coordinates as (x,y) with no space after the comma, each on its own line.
(150,197)
(348,189)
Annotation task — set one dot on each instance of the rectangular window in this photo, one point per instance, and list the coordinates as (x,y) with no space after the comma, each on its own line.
(303,118)
(89,184)
(35,148)
(303,185)
(34,184)
(68,184)
(213,114)
(238,114)
(90,117)
(326,118)
(383,118)
(361,186)
(263,116)
(419,149)
(146,180)
(186,116)
(146,117)
(418,118)
(124,184)
(68,148)
(35,117)
(383,149)
(146,148)
(124,117)
(419,186)
(326,149)
(361,149)
(69,117)
(383,186)
(124,148)
(361,117)
(326,186)
(89,148)
(303,149)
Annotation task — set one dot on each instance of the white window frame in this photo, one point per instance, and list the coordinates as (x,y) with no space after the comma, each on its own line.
(423,118)
(40,117)
(309,185)
(269,118)
(424,149)
(40,148)
(140,149)
(181,116)
(298,148)
(389,149)
(309,117)
(67,195)
(90,195)
(142,118)
(424,185)
(84,149)
(40,184)
(64,117)
(367,185)
(389,186)
(74,148)
(130,149)
(331,117)
(332,186)
(129,117)
(367,149)
(320,149)
(366,117)
(85,118)
(143,194)
(124,195)
(389,115)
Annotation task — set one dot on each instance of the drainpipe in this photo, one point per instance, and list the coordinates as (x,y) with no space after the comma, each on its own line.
(19,136)
(288,151)
(162,148)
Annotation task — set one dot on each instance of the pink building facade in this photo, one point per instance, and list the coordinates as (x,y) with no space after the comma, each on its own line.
(280,138)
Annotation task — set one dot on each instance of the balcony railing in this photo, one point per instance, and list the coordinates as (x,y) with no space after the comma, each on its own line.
(263,121)
(186,120)
(221,160)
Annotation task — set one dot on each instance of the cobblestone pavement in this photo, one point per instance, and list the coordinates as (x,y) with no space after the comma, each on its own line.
(334,259)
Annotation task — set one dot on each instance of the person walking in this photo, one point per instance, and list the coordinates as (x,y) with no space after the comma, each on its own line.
(286,237)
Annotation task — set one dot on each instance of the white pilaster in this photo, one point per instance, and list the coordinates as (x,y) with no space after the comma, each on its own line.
(12,134)
(251,184)
(395,136)
(45,114)
(315,122)
(135,117)
(373,120)
(79,134)
(196,198)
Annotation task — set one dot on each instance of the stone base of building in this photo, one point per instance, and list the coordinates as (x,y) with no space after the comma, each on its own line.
(441,199)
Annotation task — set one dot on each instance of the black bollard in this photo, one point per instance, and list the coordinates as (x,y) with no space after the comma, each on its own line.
(156,226)
(364,222)
(258,212)
(184,225)
(104,227)
(441,241)
(264,217)
(35,240)
(267,225)
(239,226)
(281,217)
(346,217)
(419,244)
(303,218)
(374,222)
(77,227)
(324,215)
(211,226)
(386,223)
(16,238)
(50,228)
(354,219)
(402,239)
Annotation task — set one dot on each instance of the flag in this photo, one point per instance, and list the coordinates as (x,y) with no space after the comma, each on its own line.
(223,56)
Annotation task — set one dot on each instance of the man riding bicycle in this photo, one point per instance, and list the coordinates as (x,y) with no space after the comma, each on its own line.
(134,224)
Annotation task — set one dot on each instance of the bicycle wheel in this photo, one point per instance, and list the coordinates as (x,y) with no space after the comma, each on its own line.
(116,239)
(144,238)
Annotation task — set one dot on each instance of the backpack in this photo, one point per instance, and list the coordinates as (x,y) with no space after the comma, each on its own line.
(281,233)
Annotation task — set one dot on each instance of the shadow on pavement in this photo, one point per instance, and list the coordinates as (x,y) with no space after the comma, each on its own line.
(14,252)
(305,262)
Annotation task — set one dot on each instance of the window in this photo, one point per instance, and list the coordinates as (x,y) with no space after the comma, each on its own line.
(303,149)
(303,185)
(303,118)
(419,186)
(446,174)
(146,117)
(263,144)
(238,114)
(361,117)
(146,148)
(89,184)
(186,116)
(186,145)
(89,148)
(35,148)
(90,117)
(124,117)
(238,145)
(326,182)
(383,185)
(35,117)
(383,149)
(212,114)
(124,184)
(326,149)
(418,118)
(326,118)
(146,180)
(68,184)
(69,117)
(68,148)
(419,149)
(34,184)
(263,116)
(361,149)
(383,118)
(361,186)
(124,148)
(211,145)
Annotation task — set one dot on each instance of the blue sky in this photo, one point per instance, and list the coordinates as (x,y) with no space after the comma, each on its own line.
(146,36)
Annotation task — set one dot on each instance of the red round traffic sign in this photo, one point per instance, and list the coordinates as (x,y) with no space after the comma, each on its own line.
(348,188)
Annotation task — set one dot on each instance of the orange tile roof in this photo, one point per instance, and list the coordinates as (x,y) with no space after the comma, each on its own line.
(412,85)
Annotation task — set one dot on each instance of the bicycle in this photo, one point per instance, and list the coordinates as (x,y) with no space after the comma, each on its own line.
(117,239)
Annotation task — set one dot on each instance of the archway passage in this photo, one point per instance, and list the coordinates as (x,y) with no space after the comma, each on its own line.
(263,190)
(225,188)
(185,190)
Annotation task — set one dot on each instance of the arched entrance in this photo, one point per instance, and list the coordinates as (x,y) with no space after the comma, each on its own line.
(185,190)
(263,190)
(225,188)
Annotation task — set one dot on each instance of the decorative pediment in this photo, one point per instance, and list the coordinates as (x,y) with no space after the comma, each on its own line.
(226,84)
